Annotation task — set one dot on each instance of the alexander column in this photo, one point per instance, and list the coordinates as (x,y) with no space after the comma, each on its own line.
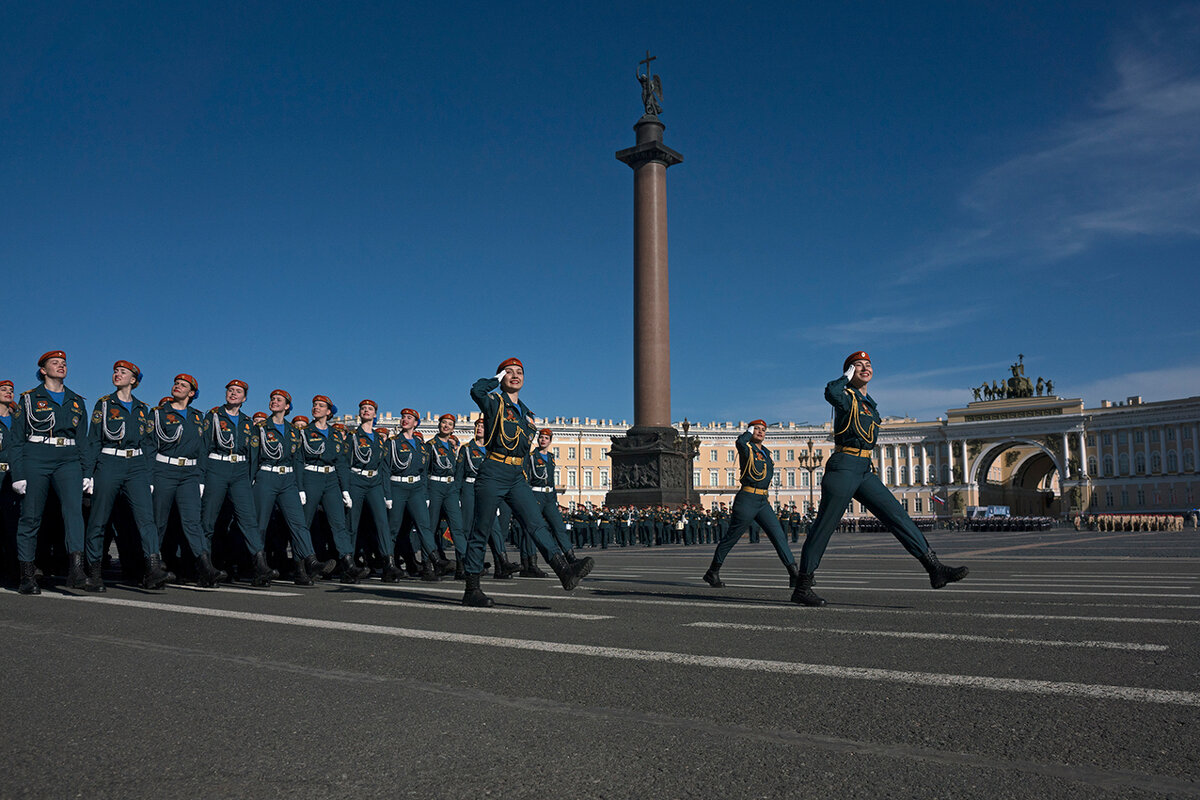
(651,463)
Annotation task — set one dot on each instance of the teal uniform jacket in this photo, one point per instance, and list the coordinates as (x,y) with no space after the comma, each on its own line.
(507,430)
(282,449)
(756,463)
(408,463)
(327,453)
(40,455)
(539,468)
(179,435)
(856,418)
(127,431)
(444,490)
(224,436)
(327,450)
(466,471)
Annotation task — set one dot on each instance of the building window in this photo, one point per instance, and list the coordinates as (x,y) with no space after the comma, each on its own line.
(904,474)
(817,452)
(775,455)
(571,453)
(1091,465)
(917,505)
(571,478)
(1188,461)
(604,478)
(1091,440)
(791,455)
(904,503)
(1170,434)
(587,479)
(712,455)
(1139,463)
(695,477)
(1172,461)
(1108,467)
(729,456)
(1123,463)
(891,477)
(604,452)
(712,477)
(1187,434)
(891,451)
(817,476)
(1141,497)
(1139,436)
(1108,499)
(1106,438)
(587,454)
(791,478)
(1155,462)
(804,479)
(1124,498)
(917,474)
(1154,434)
(555,451)
(729,477)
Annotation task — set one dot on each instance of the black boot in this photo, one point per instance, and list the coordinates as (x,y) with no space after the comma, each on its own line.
(804,595)
(263,574)
(29,584)
(155,576)
(318,569)
(206,574)
(95,578)
(939,573)
(391,573)
(76,577)
(474,596)
(350,571)
(300,575)
(713,576)
(171,578)
(570,574)
(529,567)
(428,573)
(441,564)
(582,565)
(460,574)
(793,574)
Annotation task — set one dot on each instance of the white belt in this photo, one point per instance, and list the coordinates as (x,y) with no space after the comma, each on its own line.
(112,451)
(442,478)
(366,473)
(280,470)
(56,441)
(406,478)
(542,488)
(469,480)
(232,458)
(179,462)
(319,468)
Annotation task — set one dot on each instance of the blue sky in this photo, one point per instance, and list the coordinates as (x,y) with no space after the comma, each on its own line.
(385,200)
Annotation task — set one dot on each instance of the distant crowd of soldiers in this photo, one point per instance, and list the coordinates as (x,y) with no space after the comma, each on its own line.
(1135,522)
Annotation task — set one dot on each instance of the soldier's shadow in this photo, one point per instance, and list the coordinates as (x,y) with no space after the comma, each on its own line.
(424,597)
(731,600)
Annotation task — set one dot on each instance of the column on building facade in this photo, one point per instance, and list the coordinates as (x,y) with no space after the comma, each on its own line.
(1083,470)
(950,458)
(966,462)
(1066,451)
(1146,446)
(1162,449)
(924,466)
(1099,454)
(895,465)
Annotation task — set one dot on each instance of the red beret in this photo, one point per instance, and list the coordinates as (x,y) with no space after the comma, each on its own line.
(236,382)
(382,429)
(259,415)
(129,365)
(861,355)
(546,431)
(6,383)
(410,412)
(450,417)
(754,422)
(282,392)
(510,362)
(320,398)
(370,403)
(183,376)
(299,418)
(58,354)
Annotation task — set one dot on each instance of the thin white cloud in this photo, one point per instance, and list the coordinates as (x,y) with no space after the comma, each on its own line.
(1130,168)
(890,326)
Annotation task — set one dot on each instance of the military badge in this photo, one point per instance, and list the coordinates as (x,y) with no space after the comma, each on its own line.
(96,417)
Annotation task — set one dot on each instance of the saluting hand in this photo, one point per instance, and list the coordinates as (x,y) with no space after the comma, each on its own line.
(346,499)
(849,372)
(500,375)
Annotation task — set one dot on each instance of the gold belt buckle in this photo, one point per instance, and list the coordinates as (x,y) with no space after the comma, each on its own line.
(59,442)
(179,462)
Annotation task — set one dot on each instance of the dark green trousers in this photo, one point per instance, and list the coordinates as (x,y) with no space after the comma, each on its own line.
(324,491)
(179,486)
(849,478)
(548,502)
(444,504)
(271,491)
(749,508)
(222,480)
(129,476)
(410,507)
(496,539)
(499,481)
(368,493)
(46,465)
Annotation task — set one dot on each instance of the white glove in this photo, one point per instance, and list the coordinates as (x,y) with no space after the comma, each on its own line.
(346,499)
(500,375)
(152,488)
(303,499)
(388,503)
(850,372)
(202,490)
(19,487)
(88,485)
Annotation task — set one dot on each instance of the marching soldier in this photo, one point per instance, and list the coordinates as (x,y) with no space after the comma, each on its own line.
(369,485)
(444,493)
(751,505)
(10,504)
(179,464)
(508,426)
(408,464)
(276,486)
(48,443)
(325,483)
(540,469)
(231,446)
(121,447)
(470,459)
(850,474)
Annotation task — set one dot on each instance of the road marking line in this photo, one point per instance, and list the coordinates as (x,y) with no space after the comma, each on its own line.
(1136,694)
(936,636)
(961,590)
(494,610)
(236,590)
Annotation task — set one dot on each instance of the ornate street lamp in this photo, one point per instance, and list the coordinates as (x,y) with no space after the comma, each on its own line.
(809,461)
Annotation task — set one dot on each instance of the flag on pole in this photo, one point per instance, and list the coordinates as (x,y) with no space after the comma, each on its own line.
(937,499)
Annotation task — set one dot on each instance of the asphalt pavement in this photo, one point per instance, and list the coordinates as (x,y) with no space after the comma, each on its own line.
(1065,665)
